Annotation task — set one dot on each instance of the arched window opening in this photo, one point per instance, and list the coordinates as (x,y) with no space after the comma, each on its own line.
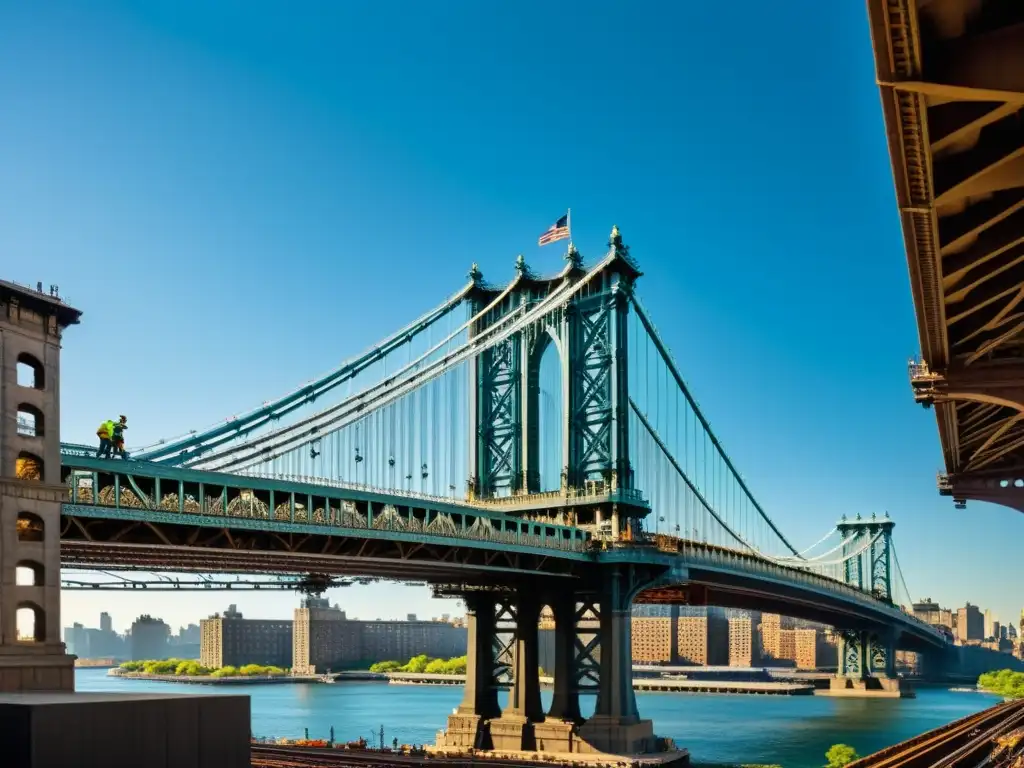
(30,372)
(28,573)
(28,466)
(550,416)
(30,421)
(30,527)
(31,622)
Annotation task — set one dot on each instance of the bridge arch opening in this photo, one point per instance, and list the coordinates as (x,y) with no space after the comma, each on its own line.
(31,623)
(30,421)
(29,573)
(547,415)
(30,527)
(28,466)
(30,372)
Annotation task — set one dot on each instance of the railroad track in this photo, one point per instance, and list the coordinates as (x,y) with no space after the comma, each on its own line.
(269,756)
(965,743)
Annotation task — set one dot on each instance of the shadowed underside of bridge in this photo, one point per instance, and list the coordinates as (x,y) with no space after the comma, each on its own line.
(951,75)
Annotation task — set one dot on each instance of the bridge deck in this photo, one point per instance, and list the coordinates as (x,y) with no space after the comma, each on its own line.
(951,76)
(148,516)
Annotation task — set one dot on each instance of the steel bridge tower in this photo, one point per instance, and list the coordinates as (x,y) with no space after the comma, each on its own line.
(588,333)
(867,656)
(595,491)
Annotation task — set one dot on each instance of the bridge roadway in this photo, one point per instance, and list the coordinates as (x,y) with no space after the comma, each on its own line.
(951,76)
(142,515)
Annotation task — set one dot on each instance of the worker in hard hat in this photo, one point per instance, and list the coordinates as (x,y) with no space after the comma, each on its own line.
(117,437)
(105,433)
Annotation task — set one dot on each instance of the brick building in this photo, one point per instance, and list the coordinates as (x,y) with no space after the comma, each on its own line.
(323,639)
(231,640)
(744,643)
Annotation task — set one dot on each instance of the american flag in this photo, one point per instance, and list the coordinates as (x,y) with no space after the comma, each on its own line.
(557,231)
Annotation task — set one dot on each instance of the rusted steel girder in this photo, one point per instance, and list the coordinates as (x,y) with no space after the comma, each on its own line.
(951,77)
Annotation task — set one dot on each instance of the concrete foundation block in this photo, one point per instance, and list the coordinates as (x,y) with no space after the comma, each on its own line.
(512,734)
(465,732)
(616,736)
(67,730)
(554,735)
(869,687)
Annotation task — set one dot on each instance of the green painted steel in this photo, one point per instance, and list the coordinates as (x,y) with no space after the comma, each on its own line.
(589,331)
(391,532)
(869,570)
(137,489)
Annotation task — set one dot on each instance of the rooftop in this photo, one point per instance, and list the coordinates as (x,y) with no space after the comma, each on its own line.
(44,303)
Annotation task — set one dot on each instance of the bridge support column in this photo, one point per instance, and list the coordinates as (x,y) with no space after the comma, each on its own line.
(565,703)
(616,727)
(867,666)
(514,730)
(556,732)
(468,727)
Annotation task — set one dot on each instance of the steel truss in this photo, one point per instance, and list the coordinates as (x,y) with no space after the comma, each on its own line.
(201,583)
(117,544)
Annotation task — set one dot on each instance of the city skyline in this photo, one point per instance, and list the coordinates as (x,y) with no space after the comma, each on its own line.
(319,216)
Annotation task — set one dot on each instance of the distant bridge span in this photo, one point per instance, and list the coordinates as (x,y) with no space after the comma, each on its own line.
(951,76)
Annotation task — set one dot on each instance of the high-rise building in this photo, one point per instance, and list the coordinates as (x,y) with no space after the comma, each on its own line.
(149,639)
(990,625)
(805,648)
(744,645)
(970,624)
(76,640)
(106,624)
(652,640)
(772,625)
(232,640)
(703,640)
(931,613)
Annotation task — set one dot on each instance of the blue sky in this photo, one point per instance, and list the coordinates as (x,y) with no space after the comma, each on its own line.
(240,196)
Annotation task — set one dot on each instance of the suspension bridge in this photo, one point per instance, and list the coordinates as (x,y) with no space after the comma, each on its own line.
(518,446)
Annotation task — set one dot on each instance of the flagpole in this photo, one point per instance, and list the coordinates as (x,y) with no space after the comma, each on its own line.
(568,223)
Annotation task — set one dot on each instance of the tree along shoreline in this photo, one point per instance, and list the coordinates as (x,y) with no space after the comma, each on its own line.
(1005,683)
(422,664)
(191,671)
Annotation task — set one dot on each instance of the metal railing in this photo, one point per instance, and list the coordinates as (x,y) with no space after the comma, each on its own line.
(723,556)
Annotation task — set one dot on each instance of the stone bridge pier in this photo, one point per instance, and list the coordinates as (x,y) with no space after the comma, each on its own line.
(867,665)
(592,656)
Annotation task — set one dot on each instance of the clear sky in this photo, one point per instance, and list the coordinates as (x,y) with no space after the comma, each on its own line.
(241,194)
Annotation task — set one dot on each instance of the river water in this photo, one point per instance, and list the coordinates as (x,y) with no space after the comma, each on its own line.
(793,731)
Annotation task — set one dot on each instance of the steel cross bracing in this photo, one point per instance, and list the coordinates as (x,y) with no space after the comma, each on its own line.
(499,423)
(586,647)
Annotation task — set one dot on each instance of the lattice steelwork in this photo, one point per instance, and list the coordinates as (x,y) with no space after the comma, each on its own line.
(498,433)
(868,554)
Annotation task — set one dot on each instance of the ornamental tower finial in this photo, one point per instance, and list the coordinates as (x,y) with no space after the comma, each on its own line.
(573,257)
(520,264)
(616,246)
(475,274)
